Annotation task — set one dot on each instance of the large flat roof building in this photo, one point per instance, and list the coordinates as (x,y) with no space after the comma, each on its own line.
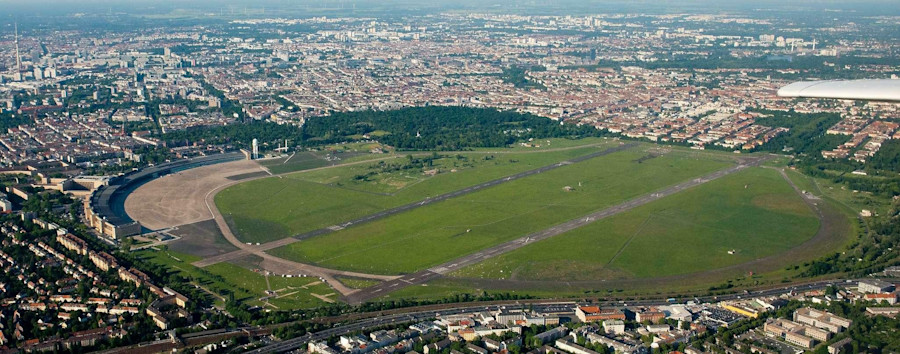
(821,319)
(595,313)
(796,333)
(875,286)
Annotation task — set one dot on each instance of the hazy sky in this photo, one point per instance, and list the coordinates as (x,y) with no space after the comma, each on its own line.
(59,7)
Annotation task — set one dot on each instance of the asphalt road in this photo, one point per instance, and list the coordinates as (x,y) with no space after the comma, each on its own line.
(416,316)
(421,277)
(404,208)
(301,341)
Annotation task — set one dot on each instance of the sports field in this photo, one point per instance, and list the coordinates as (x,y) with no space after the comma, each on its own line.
(438,233)
(273,208)
(733,220)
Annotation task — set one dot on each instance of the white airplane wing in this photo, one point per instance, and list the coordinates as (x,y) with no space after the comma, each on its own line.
(870,89)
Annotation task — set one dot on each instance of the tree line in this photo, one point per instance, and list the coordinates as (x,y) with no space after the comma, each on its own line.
(437,128)
(418,128)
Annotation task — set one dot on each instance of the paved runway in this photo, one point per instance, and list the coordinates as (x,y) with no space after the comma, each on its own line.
(404,208)
(459,263)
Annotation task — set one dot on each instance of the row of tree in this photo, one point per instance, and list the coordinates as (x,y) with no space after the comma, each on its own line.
(437,128)
(419,128)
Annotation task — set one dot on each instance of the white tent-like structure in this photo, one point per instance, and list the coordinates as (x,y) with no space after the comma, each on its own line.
(868,90)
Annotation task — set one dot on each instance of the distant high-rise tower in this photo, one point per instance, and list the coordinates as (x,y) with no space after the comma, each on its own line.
(255,154)
(18,57)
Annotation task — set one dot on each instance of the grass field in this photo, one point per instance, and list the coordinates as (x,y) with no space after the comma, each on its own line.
(854,201)
(428,236)
(545,144)
(273,208)
(754,212)
(299,161)
(289,293)
(357,283)
(307,160)
(247,285)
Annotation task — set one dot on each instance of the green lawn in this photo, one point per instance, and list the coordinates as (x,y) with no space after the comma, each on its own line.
(290,293)
(307,160)
(357,283)
(754,212)
(301,160)
(277,207)
(247,285)
(438,233)
(804,182)
(853,201)
(439,288)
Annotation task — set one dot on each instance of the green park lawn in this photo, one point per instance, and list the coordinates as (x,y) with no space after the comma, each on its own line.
(754,213)
(273,208)
(290,293)
(438,233)
(246,285)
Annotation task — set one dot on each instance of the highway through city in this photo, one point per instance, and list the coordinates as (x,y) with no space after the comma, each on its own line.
(423,276)
(417,315)
(404,208)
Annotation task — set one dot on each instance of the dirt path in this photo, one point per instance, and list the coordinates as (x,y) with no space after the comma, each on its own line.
(323,298)
(631,238)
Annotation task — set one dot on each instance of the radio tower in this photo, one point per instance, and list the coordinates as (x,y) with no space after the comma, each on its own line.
(18,58)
